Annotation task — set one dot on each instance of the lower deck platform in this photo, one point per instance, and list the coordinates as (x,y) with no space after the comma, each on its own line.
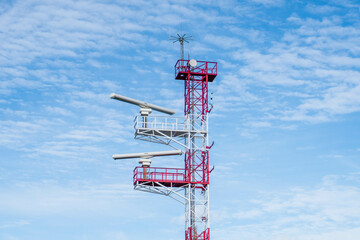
(169,177)
(157,183)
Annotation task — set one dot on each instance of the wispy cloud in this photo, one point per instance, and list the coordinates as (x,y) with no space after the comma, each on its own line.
(48,198)
(320,9)
(318,61)
(269,3)
(14,224)
(300,213)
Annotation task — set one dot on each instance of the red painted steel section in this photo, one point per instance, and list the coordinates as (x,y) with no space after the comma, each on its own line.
(182,68)
(192,235)
(196,104)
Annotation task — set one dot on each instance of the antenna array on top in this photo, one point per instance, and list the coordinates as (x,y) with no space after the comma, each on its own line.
(181,38)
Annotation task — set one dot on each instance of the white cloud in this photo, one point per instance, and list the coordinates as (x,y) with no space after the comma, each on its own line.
(259,124)
(248,214)
(320,9)
(13,224)
(337,100)
(224,42)
(59,111)
(16,134)
(323,212)
(269,3)
(48,198)
(318,62)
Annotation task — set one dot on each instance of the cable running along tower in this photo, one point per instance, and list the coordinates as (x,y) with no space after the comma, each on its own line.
(189,135)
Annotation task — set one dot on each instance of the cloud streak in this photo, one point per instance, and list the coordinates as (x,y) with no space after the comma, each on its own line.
(329,209)
(319,59)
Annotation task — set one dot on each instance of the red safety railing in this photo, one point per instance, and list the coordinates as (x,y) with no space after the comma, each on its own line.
(155,174)
(202,68)
(192,235)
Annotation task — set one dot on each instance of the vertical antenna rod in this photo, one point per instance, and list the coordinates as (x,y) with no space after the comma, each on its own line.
(181,38)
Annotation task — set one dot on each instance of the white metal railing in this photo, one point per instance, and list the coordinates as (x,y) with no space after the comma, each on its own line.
(188,123)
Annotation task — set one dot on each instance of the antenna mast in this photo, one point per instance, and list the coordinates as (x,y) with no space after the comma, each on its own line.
(181,38)
(189,184)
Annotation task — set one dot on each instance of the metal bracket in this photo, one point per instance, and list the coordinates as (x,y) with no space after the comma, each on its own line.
(212,144)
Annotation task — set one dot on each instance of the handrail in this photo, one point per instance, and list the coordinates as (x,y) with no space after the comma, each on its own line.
(159,174)
(171,123)
(203,67)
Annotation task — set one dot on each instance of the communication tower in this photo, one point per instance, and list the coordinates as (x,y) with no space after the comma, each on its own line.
(189,135)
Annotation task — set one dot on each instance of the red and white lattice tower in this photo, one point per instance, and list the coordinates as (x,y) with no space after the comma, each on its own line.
(188,185)
(196,76)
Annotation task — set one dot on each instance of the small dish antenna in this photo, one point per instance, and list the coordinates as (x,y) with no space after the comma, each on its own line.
(193,63)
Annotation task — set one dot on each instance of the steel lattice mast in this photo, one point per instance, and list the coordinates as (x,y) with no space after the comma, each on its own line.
(197,156)
(188,185)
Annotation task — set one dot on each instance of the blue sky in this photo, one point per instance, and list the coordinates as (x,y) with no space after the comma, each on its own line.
(285,120)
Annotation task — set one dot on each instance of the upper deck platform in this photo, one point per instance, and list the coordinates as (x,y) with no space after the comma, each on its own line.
(170,126)
(183,69)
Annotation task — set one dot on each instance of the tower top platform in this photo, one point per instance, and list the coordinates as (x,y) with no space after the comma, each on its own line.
(203,68)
